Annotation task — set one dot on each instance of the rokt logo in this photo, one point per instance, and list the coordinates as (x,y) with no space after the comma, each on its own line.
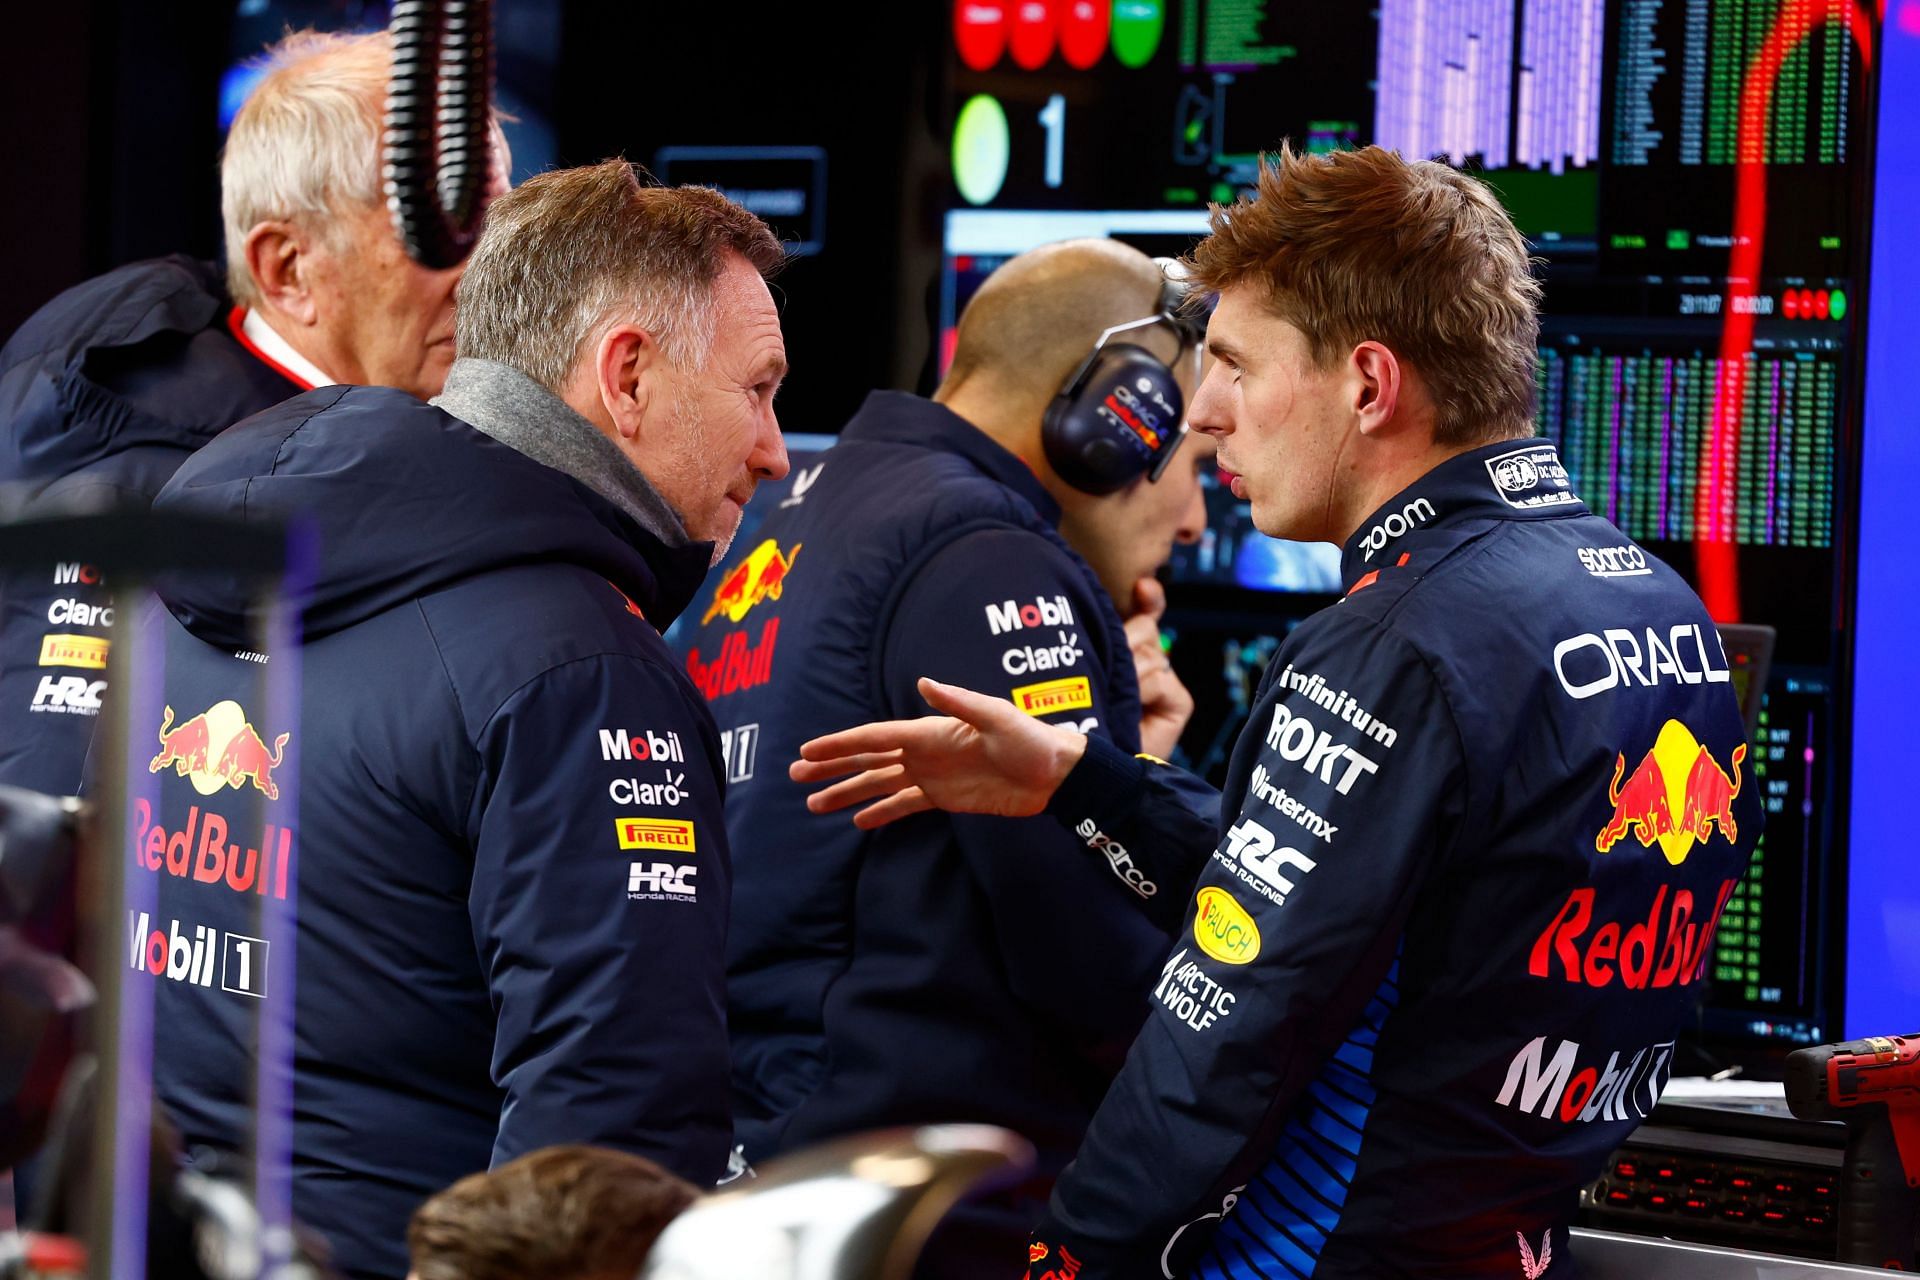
(1297,741)
(222,734)
(1677,776)
(761,576)
(1042,612)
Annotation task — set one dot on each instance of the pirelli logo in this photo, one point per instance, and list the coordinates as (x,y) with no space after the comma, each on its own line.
(655,833)
(1049,696)
(73,651)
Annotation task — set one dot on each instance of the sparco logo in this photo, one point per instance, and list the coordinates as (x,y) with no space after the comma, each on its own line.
(1591,664)
(1117,857)
(642,744)
(1615,562)
(1253,856)
(1553,1090)
(1295,738)
(1042,612)
(1396,525)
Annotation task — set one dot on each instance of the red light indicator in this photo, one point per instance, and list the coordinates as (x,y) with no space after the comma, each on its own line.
(1083,32)
(980,31)
(1822,303)
(1034,23)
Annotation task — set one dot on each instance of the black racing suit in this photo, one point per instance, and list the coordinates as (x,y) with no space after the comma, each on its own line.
(1474,842)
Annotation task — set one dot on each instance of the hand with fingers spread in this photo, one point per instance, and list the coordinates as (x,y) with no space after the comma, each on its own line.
(982,756)
(1165,704)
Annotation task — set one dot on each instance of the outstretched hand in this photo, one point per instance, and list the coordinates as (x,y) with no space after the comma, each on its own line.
(983,755)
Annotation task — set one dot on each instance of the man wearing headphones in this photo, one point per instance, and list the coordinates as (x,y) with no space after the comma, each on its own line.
(921,974)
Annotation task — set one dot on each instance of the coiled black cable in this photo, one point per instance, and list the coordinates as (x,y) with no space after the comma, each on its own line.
(438,143)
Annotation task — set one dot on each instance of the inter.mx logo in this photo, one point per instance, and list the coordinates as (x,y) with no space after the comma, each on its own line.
(68,695)
(192,956)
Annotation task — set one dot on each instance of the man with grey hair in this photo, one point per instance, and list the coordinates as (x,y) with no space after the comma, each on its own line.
(113,384)
(513,877)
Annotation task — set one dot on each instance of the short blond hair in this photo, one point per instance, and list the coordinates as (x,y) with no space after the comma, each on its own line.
(306,144)
(569,250)
(1361,245)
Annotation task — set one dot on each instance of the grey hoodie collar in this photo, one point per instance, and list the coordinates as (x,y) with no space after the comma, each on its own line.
(504,403)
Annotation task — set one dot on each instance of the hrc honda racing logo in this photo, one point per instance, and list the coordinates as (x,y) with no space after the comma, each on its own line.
(1552,1088)
(661,882)
(1296,739)
(1262,864)
(68,695)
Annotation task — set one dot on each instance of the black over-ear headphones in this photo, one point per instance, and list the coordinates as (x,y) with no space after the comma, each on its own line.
(1121,415)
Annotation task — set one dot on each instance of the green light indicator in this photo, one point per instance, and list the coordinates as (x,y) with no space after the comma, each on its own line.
(1837,305)
(980,148)
(1137,25)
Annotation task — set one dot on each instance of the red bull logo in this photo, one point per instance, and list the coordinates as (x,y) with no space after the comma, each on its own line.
(738,665)
(761,576)
(222,735)
(1678,794)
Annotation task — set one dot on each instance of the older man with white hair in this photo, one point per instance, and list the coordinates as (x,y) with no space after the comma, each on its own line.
(112,385)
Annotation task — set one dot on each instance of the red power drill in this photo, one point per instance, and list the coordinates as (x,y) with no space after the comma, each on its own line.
(1873,1086)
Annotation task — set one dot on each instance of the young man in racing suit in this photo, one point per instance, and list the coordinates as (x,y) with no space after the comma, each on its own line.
(1477,834)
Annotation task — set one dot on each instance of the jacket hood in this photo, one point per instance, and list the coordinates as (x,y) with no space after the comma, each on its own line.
(102,368)
(404,499)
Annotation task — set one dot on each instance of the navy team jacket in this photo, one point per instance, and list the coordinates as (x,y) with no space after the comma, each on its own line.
(944,968)
(481,862)
(104,392)
(1475,840)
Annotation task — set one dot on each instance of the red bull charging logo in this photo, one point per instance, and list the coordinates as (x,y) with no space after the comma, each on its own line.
(761,576)
(1677,795)
(219,748)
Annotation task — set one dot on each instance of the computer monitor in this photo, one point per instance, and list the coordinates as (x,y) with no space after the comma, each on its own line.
(1690,176)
